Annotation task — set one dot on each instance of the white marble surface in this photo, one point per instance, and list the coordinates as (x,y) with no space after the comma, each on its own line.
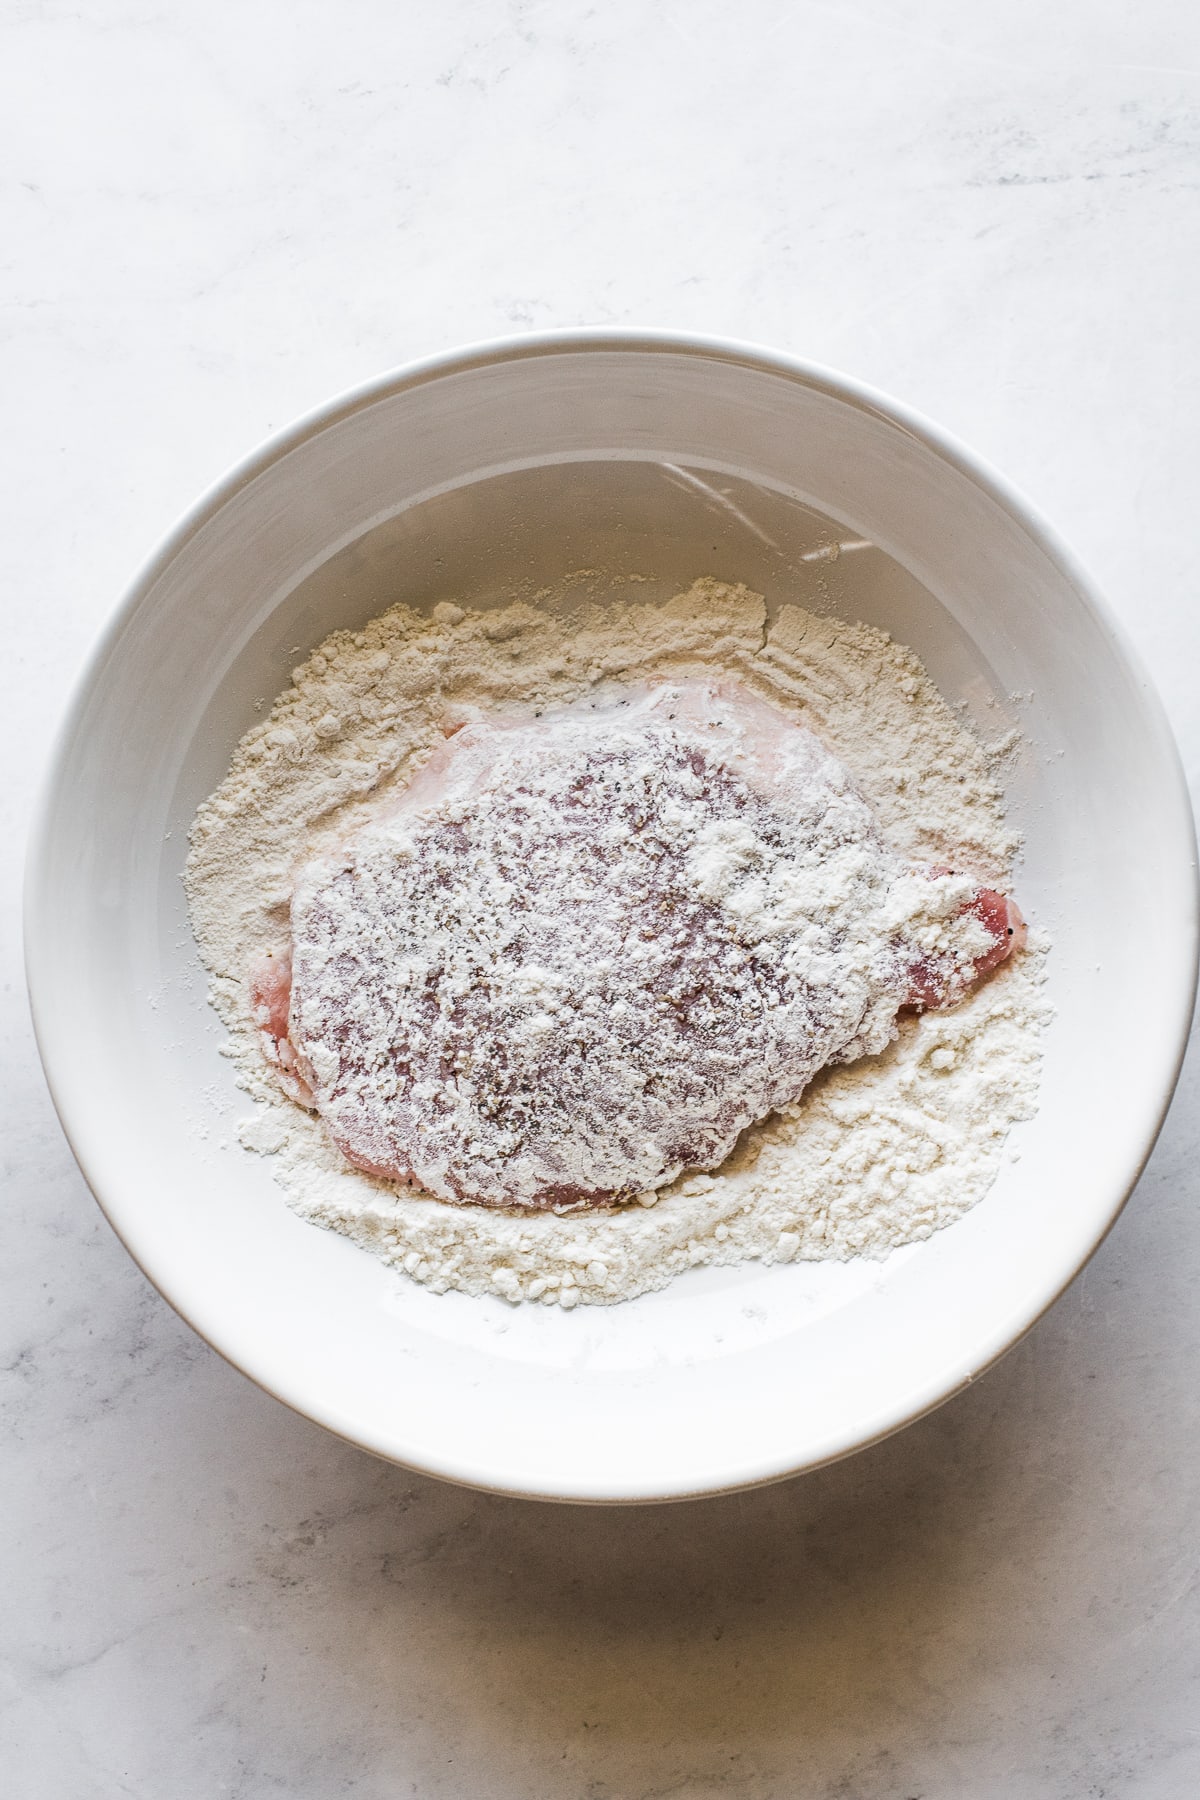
(213,216)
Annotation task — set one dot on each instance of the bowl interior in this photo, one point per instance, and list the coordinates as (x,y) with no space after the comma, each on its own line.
(468,480)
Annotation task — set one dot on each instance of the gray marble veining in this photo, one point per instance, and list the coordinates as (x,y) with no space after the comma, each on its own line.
(214,217)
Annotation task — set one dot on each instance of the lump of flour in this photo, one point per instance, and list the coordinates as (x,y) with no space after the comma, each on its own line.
(580,954)
(867,1157)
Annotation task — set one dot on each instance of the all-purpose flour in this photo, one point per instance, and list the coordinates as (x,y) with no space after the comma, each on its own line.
(877,1154)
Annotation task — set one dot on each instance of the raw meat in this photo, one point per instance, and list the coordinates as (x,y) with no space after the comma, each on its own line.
(580,954)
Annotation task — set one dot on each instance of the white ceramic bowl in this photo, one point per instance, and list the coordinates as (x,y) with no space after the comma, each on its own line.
(676,456)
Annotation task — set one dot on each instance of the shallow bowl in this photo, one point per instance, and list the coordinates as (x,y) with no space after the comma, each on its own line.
(670,457)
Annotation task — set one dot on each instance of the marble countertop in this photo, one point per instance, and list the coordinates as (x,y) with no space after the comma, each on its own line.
(212,218)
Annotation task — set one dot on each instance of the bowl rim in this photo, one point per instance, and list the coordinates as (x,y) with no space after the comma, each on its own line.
(529,346)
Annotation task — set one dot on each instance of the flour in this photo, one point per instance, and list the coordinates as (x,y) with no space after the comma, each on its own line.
(874,1155)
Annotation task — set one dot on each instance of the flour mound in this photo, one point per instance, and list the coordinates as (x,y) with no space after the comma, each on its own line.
(872,1156)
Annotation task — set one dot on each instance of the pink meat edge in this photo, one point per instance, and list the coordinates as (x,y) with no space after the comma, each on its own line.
(932,990)
(270,1005)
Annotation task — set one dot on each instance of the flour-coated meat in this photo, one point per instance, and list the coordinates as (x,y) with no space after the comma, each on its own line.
(581,953)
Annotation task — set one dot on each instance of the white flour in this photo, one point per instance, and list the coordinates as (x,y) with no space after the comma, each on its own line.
(875,1155)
